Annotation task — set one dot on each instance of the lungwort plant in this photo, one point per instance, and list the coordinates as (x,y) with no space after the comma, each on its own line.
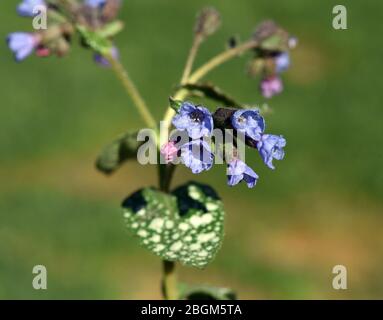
(185,224)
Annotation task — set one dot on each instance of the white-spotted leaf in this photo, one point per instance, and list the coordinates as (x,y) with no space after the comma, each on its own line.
(185,226)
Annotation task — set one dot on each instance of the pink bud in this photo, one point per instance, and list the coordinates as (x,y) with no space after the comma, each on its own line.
(43,52)
(271,86)
(169,151)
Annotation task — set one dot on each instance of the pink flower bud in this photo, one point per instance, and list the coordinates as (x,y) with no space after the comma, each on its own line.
(169,151)
(271,86)
(43,52)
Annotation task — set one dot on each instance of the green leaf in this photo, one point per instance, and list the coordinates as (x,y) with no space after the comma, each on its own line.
(111,29)
(117,152)
(95,40)
(185,226)
(271,36)
(277,42)
(175,104)
(203,292)
(212,92)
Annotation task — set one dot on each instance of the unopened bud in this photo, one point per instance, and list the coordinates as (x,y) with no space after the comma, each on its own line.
(208,21)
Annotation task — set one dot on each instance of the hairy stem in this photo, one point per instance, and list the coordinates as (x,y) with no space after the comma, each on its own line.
(170,280)
(220,59)
(192,54)
(132,91)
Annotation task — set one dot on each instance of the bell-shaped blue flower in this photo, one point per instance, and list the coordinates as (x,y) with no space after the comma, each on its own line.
(282,62)
(26,8)
(196,120)
(197,156)
(271,147)
(250,122)
(95,3)
(22,44)
(237,171)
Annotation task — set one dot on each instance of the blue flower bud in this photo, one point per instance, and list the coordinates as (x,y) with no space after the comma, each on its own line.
(237,171)
(197,156)
(197,121)
(26,8)
(250,122)
(271,147)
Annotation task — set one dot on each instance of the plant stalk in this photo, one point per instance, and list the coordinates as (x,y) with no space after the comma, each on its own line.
(170,280)
(220,59)
(131,90)
(192,54)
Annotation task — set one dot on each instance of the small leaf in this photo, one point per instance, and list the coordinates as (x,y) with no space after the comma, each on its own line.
(116,153)
(175,104)
(185,226)
(212,92)
(111,29)
(271,36)
(202,292)
(95,40)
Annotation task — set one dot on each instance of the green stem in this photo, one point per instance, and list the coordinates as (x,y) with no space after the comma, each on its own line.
(132,91)
(220,59)
(192,54)
(170,280)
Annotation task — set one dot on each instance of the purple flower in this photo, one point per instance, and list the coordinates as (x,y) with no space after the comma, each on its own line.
(271,147)
(103,62)
(237,171)
(250,122)
(197,121)
(282,62)
(26,7)
(197,156)
(271,86)
(95,3)
(22,44)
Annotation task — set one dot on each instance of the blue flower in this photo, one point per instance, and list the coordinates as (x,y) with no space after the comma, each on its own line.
(197,156)
(282,62)
(271,147)
(26,8)
(95,3)
(22,44)
(197,121)
(250,122)
(237,171)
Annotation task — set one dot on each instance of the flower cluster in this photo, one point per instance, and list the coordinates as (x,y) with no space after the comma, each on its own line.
(271,57)
(196,153)
(62,20)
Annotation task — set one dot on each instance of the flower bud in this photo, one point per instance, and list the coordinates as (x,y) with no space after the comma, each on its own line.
(208,21)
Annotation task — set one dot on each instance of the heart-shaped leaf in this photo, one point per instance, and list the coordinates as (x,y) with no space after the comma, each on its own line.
(185,226)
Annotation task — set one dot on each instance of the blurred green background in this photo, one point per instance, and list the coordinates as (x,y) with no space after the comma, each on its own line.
(323,206)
